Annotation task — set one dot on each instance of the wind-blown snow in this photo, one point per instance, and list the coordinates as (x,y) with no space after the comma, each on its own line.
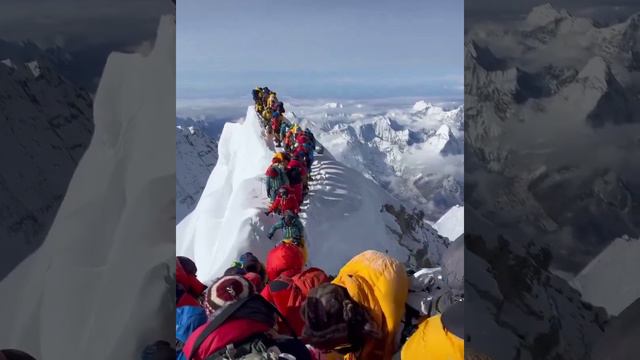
(609,280)
(119,211)
(451,224)
(228,219)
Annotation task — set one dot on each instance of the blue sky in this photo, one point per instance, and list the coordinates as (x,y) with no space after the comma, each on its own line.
(312,48)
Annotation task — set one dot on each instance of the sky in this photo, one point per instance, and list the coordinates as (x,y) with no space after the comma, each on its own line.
(309,48)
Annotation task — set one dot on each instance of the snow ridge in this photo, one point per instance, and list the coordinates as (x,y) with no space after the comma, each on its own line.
(340,200)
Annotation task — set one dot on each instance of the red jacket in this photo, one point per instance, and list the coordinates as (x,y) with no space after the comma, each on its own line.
(230,332)
(193,287)
(288,294)
(291,203)
(300,165)
(278,293)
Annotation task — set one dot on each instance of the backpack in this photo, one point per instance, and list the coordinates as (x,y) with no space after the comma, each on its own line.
(294,175)
(254,347)
(304,282)
(288,293)
(255,94)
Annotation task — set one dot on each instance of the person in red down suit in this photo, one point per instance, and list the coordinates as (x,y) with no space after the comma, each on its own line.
(187,280)
(286,200)
(284,259)
(297,175)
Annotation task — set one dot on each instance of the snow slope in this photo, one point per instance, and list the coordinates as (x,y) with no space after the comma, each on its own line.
(609,280)
(228,219)
(119,211)
(196,155)
(451,224)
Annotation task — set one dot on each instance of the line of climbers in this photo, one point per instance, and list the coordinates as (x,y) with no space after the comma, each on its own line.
(283,311)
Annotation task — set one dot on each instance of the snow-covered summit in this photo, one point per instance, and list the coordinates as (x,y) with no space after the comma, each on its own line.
(543,14)
(444,142)
(421,105)
(228,219)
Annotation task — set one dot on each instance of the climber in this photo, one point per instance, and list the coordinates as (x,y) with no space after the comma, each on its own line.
(266,119)
(301,154)
(284,259)
(276,122)
(280,107)
(189,313)
(188,286)
(241,325)
(437,337)
(276,176)
(251,264)
(272,101)
(284,127)
(296,174)
(292,228)
(285,200)
(257,95)
(358,314)
(311,137)
(287,293)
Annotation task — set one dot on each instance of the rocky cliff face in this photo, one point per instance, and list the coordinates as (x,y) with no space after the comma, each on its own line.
(47,126)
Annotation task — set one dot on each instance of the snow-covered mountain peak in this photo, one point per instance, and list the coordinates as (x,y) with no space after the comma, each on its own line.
(34,67)
(444,132)
(543,14)
(596,70)
(333,105)
(444,141)
(421,105)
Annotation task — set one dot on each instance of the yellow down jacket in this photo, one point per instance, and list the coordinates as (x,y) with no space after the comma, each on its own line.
(380,284)
(431,341)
